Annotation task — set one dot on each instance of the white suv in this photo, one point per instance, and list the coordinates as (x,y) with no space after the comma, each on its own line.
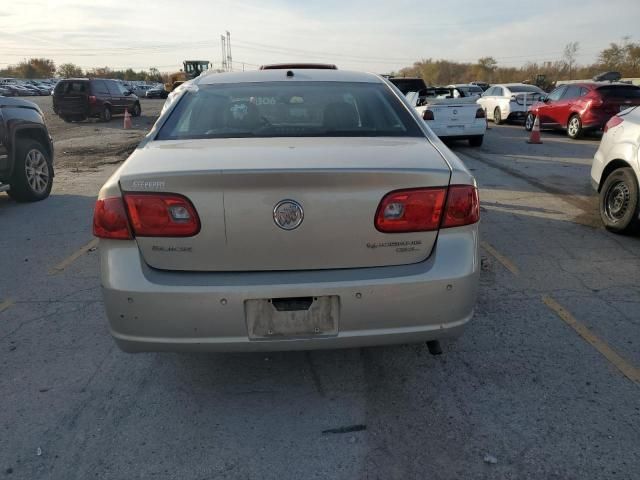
(615,172)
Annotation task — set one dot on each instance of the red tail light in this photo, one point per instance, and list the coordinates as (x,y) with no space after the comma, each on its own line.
(613,122)
(110,219)
(417,210)
(92,99)
(161,215)
(151,215)
(463,206)
(427,115)
(480,113)
(421,210)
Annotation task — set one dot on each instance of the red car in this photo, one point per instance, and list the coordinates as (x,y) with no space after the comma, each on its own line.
(580,107)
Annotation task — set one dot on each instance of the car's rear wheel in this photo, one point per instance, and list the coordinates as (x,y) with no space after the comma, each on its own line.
(619,201)
(136,110)
(574,127)
(497,116)
(529,121)
(32,177)
(476,141)
(105,116)
(67,119)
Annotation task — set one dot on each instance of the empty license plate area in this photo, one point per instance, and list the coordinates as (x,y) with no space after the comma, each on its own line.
(275,318)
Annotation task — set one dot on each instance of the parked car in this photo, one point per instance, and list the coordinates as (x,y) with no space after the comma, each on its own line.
(615,172)
(467,89)
(320,241)
(6,92)
(582,107)
(483,85)
(509,101)
(81,98)
(141,90)
(450,114)
(21,90)
(157,92)
(26,151)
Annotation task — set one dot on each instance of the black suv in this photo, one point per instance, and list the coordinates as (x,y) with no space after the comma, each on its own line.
(26,151)
(81,98)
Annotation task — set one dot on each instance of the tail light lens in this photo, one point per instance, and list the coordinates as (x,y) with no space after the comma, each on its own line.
(92,99)
(427,115)
(423,209)
(110,219)
(463,206)
(161,215)
(417,210)
(151,215)
(613,122)
(480,113)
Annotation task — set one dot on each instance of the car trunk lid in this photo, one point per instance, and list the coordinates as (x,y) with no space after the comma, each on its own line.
(236,184)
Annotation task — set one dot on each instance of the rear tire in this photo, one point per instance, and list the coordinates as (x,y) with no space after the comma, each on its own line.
(574,127)
(67,119)
(529,121)
(497,116)
(619,201)
(476,141)
(106,116)
(32,176)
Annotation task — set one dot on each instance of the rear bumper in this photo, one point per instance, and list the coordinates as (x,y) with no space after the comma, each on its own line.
(477,128)
(150,310)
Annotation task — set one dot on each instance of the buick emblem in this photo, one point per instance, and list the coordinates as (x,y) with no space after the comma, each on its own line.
(288,214)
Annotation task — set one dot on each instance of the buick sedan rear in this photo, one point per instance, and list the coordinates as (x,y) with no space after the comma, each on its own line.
(288,209)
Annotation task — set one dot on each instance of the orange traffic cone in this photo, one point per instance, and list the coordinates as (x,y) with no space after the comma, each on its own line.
(535,132)
(127,119)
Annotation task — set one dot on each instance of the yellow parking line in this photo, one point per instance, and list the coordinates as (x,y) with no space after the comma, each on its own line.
(506,263)
(628,370)
(73,257)
(6,304)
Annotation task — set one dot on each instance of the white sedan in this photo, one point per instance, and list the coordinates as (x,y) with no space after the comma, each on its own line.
(615,172)
(285,210)
(509,101)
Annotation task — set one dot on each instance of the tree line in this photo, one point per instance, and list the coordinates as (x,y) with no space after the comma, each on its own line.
(46,68)
(623,57)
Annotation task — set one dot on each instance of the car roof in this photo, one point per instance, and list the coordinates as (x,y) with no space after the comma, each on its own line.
(301,75)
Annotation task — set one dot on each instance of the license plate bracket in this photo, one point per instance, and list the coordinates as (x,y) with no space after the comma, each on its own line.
(266,319)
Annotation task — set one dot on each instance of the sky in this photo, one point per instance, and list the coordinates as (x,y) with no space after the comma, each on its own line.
(371,35)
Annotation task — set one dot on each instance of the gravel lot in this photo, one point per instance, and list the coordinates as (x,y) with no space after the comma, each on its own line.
(521,395)
(91,143)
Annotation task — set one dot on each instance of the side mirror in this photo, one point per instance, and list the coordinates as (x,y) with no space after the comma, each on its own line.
(545,99)
(128,92)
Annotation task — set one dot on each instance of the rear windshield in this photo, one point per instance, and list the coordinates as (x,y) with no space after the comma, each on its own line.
(525,89)
(619,91)
(63,88)
(289,109)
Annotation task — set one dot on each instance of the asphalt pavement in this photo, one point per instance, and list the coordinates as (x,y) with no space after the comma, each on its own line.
(543,384)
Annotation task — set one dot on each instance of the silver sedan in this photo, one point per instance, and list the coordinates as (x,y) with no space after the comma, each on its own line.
(288,209)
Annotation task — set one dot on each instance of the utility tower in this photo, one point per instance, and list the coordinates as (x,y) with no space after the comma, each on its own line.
(223,42)
(229,59)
